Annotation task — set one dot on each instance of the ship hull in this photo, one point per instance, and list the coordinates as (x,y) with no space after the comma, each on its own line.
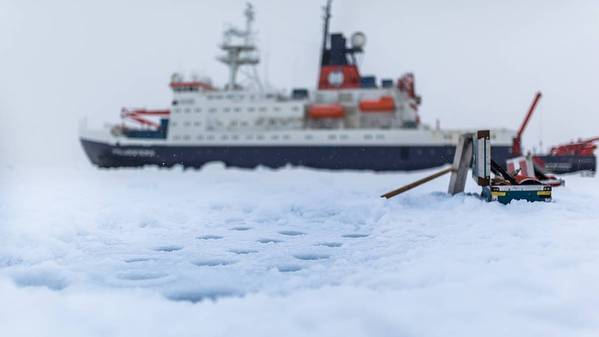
(375,158)
(566,164)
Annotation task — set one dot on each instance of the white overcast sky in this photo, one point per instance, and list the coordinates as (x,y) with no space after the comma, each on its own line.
(477,63)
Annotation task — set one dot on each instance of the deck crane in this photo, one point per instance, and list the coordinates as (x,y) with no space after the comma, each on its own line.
(517,144)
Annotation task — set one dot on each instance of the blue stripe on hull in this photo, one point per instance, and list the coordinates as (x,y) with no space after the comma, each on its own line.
(377,158)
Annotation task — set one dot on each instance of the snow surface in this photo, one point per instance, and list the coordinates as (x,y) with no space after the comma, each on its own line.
(291,252)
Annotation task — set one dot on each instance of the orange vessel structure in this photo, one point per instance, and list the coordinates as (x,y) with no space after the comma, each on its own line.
(326,111)
(383,104)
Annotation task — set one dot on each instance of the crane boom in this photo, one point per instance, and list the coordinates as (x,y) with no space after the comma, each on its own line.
(517,143)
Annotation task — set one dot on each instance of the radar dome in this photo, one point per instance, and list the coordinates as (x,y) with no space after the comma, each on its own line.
(358,40)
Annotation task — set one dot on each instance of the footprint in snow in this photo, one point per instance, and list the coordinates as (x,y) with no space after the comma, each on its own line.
(289,268)
(209,237)
(201,295)
(138,259)
(330,244)
(213,263)
(243,251)
(355,236)
(269,241)
(168,249)
(291,233)
(311,257)
(48,279)
(9,261)
(241,228)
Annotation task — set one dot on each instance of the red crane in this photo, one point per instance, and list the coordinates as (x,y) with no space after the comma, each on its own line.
(517,143)
(584,148)
(140,115)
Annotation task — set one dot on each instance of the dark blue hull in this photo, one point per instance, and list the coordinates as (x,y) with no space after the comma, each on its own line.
(566,164)
(376,158)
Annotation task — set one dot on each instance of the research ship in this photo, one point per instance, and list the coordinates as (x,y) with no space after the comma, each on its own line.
(350,121)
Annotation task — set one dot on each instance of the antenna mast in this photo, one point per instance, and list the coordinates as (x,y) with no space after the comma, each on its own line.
(325,37)
(239,48)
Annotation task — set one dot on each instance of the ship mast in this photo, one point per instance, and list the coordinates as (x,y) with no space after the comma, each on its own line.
(239,48)
(325,37)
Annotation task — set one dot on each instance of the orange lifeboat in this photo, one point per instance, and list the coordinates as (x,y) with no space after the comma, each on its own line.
(383,104)
(326,111)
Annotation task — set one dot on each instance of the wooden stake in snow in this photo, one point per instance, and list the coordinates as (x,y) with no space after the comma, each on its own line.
(417,183)
(459,170)
(461,163)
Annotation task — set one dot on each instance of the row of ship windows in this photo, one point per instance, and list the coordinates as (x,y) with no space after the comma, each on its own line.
(239,97)
(174,124)
(272,137)
(235,123)
(249,109)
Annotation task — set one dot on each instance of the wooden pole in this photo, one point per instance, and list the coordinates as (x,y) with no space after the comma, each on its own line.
(461,164)
(417,183)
